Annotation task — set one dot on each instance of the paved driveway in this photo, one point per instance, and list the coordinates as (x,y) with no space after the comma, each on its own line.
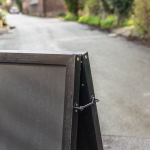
(120,70)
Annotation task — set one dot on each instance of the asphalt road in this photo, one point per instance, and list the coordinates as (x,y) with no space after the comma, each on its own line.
(120,70)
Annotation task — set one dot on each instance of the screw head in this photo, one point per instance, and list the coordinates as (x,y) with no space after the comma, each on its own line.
(85,56)
(76,104)
(76,111)
(78,59)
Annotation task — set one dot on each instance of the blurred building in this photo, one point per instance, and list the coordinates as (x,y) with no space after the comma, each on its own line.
(25,6)
(47,8)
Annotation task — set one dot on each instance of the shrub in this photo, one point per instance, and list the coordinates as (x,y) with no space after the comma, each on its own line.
(1,2)
(109,22)
(128,23)
(93,20)
(142,17)
(71,17)
(3,16)
(62,15)
(83,19)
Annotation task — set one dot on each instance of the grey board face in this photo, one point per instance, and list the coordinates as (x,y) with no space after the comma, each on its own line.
(31,106)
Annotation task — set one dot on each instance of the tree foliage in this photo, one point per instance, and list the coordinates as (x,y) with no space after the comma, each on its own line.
(19,3)
(122,8)
(1,2)
(94,6)
(142,17)
(72,6)
(107,7)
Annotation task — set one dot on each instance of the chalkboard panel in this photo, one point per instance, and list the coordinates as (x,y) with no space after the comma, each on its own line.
(31,106)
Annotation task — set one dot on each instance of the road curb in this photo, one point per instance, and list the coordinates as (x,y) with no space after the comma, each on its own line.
(123,31)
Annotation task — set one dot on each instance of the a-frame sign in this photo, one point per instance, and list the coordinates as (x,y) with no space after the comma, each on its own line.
(47,102)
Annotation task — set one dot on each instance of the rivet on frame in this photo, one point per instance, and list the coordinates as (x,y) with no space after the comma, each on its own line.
(85,56)
(78,59)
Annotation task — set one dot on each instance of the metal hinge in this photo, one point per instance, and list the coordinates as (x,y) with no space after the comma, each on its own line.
(93,102)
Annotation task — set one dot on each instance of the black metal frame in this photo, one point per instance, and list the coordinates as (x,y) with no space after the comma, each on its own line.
(89,135)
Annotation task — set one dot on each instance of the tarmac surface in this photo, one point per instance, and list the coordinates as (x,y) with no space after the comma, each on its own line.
(120,70)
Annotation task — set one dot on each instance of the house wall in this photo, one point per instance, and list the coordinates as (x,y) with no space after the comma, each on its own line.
(25,6)
(54,7)
(48,8)
(41,8)
(33,9)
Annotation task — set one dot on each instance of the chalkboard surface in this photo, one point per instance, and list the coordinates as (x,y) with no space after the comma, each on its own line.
(31,106)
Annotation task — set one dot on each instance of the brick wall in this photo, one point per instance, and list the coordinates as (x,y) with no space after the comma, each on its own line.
(25,6)
(48,8)
(41,8)
(54,7)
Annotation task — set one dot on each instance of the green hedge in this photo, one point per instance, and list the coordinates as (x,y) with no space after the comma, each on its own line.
(109,22)
(93,20)
(71,17)
(128,23)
